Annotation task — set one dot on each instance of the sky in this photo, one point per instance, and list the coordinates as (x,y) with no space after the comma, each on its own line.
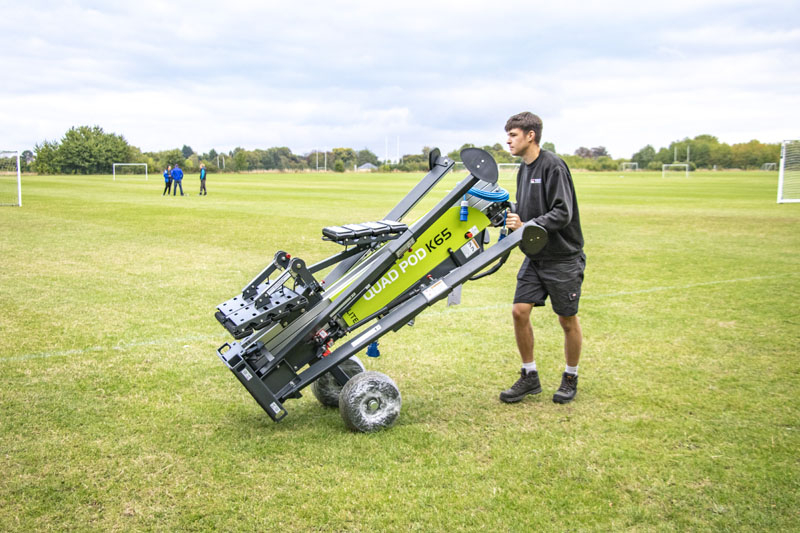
(398,76)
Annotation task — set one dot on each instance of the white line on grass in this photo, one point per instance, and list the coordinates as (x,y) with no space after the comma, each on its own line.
(195,338)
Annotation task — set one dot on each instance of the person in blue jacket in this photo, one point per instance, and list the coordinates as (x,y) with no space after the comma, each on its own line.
(177,177)
(203,191)
(167,180)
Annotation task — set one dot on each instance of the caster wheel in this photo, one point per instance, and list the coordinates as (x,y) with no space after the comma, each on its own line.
(369,402)
(326,389)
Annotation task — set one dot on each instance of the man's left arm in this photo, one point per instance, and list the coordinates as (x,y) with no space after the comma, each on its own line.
(558,195)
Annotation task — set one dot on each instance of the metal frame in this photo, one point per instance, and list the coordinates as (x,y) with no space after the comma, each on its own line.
(782,175)
(286,328)
(665,166)
(115,165)
(3,153)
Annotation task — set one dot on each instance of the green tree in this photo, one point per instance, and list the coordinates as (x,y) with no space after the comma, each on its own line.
(172,158)
(500,154)
(187,151)
(347,156)
(366,156)
(455,155)
(46,158)
(721,156)
(644,156)
(663,157)
(240,162)
(89,150)
(414,163)
(754,154)
(550,147)
(83,150)
(338,166)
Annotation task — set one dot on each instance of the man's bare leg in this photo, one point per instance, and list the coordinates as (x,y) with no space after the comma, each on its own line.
(528,383)
(573,338)
(523,331)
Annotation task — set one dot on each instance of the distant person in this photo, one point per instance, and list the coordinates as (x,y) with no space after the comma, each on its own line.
(203,191)
(545,195)
(167,180)
(177,178)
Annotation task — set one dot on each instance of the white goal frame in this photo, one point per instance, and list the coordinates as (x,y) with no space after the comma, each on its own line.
(789,173)
(769,166)
(507,166)
(674,165)
(4,153)
(459,166)
(632,165)
(115,165)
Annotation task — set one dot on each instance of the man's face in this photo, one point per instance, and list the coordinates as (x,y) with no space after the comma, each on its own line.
(518,141)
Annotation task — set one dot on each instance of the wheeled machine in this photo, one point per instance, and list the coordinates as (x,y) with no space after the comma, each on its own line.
(293,329)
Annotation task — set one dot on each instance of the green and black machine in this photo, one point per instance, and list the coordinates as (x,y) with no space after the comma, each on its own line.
(292,329)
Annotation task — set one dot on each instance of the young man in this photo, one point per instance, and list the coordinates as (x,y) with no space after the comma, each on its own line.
(177,177)
(167,180)
(546,195)
(203,180)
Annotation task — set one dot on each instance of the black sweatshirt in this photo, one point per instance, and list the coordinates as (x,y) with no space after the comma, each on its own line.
(546,195)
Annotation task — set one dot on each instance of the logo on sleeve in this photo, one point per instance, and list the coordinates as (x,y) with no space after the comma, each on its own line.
(536,180)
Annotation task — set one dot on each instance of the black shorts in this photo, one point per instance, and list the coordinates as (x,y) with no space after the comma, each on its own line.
(561,280)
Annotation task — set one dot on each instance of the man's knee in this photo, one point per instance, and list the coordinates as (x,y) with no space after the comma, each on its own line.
(521,312)
(569,323)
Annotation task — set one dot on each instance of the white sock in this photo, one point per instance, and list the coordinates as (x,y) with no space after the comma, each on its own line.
(529,367)
(571,370)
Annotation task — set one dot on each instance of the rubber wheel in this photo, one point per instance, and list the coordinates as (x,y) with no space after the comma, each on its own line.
(369,402)
(326,389)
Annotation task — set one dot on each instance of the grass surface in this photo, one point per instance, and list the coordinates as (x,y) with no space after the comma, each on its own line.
(117,415)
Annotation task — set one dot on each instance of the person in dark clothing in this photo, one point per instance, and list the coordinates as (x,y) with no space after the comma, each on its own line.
(545,195)
(203,191)
(177,177)
(167,180)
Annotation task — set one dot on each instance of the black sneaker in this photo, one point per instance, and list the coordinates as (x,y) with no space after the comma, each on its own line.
(568,389)
(528,383)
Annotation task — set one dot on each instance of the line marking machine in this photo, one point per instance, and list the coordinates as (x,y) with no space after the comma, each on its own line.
(285,322)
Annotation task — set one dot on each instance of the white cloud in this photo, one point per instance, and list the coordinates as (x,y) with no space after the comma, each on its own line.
(322,74)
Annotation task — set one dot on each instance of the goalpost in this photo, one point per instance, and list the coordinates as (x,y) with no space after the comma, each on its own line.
(630,166)
(673,167)
(789,173)
(10,192)
(769,166)
(507,170)
(115,165)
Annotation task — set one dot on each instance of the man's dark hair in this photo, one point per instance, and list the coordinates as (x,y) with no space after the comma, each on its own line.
(526,121)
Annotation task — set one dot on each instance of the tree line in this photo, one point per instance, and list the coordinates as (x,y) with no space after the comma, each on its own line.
(705,151)
(90,150)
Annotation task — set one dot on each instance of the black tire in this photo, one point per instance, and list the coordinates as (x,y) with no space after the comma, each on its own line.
(370,402)
(326,389)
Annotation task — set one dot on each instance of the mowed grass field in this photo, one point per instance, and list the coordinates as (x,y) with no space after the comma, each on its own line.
(117,415)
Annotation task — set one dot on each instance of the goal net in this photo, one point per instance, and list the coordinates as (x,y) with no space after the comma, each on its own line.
(123,169)
(10,178)
(674,168)
(789,173)
(769,166)
(630,166)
